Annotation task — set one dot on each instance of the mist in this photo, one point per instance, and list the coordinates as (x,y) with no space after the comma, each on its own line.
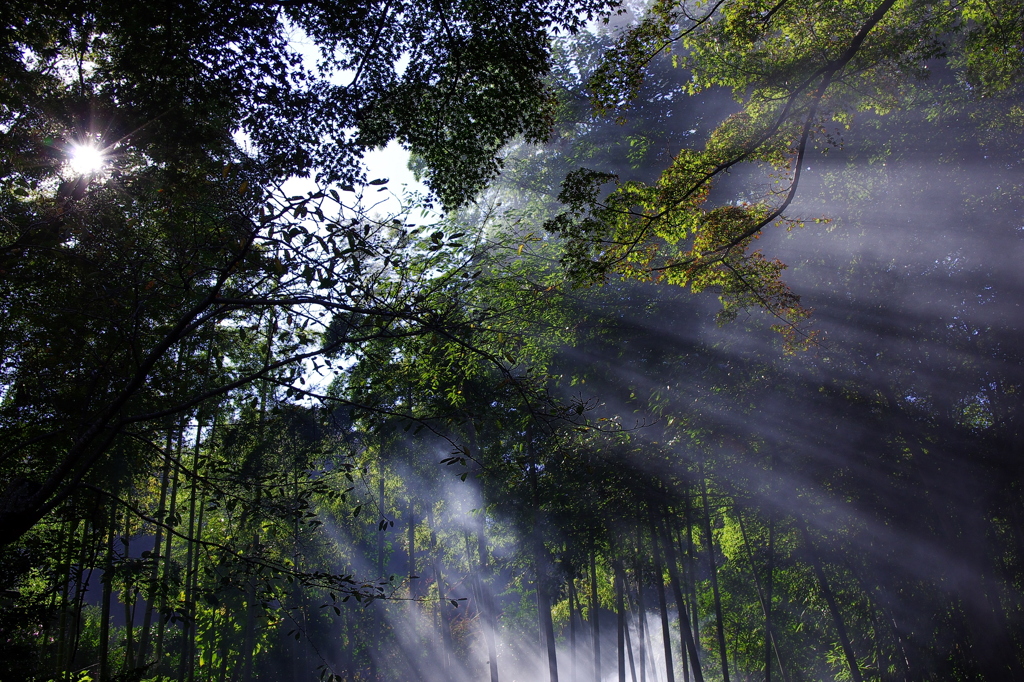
(507,471)
(870,481)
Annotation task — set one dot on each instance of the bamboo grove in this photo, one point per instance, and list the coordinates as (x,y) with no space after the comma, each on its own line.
(697,357)
(275,542)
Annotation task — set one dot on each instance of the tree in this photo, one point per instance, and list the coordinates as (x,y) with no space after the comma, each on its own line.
(121,285)
(848,512)
(176,80)
(798,68)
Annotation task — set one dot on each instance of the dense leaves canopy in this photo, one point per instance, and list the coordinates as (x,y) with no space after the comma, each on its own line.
(310,84)
(802,72)
(250,407)
(119,280)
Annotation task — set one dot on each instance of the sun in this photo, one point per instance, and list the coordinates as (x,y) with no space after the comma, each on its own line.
(86,159)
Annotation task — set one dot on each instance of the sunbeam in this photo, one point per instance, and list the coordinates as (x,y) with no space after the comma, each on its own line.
(86,158)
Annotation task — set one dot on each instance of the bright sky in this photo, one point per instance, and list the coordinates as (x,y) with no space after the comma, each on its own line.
(391,162)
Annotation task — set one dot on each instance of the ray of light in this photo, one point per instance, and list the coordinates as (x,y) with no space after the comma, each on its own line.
(86,159)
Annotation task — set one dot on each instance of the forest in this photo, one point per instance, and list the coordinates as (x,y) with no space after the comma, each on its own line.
(695,354)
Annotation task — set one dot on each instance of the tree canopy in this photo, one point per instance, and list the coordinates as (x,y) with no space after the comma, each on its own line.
(802,71)
(113,274)
(252,432)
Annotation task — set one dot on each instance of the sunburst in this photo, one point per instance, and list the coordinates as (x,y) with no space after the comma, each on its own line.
(86,159)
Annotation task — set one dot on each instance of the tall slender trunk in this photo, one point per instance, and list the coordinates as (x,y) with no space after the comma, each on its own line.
(195,587)
(442,620)
(885,604)
(348,645)
(185,665)
(720,621)
(770,641)
(659,583)
(490,624)
(629,654)
(108,569)
(382,525)
(171,520)
(300,647)
(684,582)
(595,624)
(691,565)
(489,612)
(573,612)
(764,596)
(477,585)
(224,646)
(686,635)
(830,599)
(411,544)
(541,564)
(544,612)
(185,661)
(620,620)
(63,634)
(629,638)
(128,598)
(248,652)
(154,573)
(685,594)
(641,627)
(81,588)
(378,607)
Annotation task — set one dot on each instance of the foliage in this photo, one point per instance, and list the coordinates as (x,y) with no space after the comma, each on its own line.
(258,434)
(797,69)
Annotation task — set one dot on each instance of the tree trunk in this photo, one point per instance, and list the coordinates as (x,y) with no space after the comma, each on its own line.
(63,627)
(185,664)
(151,600)
(81,588)
(659,582)
(442,621)
(764,596)
(490,617)
(544,612)
(195,586)
(620,618)
(248,652)
(108,569)
(691,564)
(714,573)
(166,557)
(573,611)
(680,563)
(485,602)
(629,639)
(382,522)
(540,563)
(595,625)
(770,641)
(128,599)
(411,542)
(686,636)
(641,627)
(378,607)
(837,616)
(224,645)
